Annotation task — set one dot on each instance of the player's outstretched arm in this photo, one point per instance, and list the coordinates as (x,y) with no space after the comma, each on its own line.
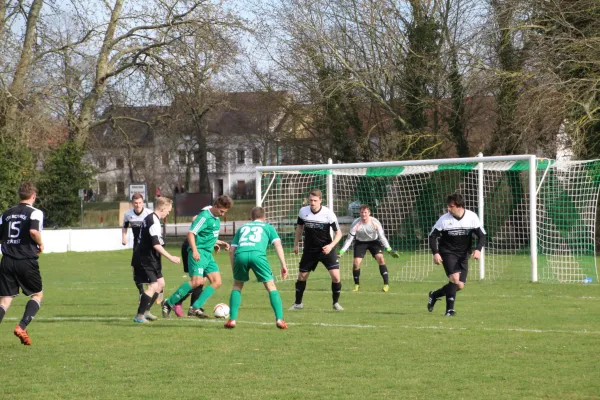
(347,243)
(281,256)
(161,250)
(299,229)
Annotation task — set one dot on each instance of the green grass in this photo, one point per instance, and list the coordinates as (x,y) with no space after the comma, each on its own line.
(509,341)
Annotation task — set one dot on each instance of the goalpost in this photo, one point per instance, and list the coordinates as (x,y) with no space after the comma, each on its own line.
(539,214)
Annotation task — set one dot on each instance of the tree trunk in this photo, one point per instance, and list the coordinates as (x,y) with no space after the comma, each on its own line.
(90,102)
(17,87)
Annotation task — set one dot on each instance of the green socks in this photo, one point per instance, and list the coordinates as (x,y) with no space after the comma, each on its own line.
(179,294)
(206,293)
(235,299)
(275,299)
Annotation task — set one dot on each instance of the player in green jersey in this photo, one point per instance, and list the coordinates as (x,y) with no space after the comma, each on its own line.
(203,235)
(249,252)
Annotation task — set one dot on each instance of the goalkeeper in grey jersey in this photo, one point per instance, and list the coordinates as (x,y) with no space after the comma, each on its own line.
(368,234)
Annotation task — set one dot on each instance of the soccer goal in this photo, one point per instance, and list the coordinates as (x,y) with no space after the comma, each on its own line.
(539,214)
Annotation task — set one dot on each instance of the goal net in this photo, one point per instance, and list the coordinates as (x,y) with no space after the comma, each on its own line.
(539,215)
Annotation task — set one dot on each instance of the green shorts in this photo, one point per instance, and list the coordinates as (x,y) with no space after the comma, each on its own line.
(251,260)
(206,265)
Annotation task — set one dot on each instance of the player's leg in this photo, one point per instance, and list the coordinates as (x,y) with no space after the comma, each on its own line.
(196,272)
(276,304)
(356,272)
(235,301)
(383,271)
(139,286)
(177,307)
(9,287)
(241,266)
(262,270)
(448,262)
(211,269)
(4,305)
(30,280)
(360,249)
(146,299)
(457,280)
(158,288)
(308,263)
(332,263)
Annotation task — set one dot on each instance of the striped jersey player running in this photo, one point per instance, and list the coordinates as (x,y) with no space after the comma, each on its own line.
(368,234)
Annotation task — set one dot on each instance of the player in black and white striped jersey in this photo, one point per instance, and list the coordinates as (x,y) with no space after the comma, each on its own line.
(368,234)
(450,243)
(317,221)
(21,234)
(134,218)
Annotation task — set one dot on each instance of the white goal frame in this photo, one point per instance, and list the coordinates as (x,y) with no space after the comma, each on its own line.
(531,159)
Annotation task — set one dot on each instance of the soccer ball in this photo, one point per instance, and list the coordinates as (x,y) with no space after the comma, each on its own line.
(221,310)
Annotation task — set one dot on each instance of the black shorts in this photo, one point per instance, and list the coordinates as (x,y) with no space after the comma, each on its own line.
(360,248)
(147,270)
(309,261)
(453,264)
(15,274)
(184,257)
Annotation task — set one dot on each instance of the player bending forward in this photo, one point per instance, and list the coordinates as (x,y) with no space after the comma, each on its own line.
(368,233)
(249,252)
(202,237)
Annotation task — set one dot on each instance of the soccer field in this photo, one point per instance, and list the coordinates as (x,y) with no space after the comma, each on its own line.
(509,341)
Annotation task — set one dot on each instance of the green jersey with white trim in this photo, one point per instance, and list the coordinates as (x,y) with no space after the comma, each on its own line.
(254,236)
(206,229)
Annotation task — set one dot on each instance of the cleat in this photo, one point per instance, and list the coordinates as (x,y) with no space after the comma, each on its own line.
(166,309)
(229,324)
(450,313)
(297,306)
(356,288)
(22,334)
(150,317)
(431,302)
(178,310)
(386,288)
(191,311)
(198,313)
(281,324)
(140,320)
(337,307)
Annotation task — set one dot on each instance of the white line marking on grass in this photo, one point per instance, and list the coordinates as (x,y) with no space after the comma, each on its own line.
(326,325)
(465,294)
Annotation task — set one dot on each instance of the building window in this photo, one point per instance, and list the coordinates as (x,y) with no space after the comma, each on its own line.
(241,186)
(121,188)
(102,162)
(120,163)
(241,156)
(182,157)
(139,162)
(165,158)
(255,156)
(219,161)
(102,187)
